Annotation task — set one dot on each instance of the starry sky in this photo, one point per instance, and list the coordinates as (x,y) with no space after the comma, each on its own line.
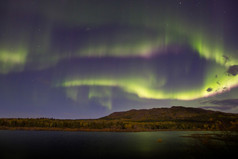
(87,58)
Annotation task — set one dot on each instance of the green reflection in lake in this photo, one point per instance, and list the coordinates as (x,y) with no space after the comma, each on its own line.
(163,144)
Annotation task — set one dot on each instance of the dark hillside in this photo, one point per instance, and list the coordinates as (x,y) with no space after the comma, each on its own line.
(174,113)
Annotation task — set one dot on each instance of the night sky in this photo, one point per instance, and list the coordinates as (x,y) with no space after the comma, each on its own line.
(85,59)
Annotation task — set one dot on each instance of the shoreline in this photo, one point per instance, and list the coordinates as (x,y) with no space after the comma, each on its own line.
(98,130)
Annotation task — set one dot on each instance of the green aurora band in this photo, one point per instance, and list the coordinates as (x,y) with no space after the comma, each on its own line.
(207,48)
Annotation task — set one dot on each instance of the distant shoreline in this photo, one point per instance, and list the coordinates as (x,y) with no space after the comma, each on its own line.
(95,130)
(157,119)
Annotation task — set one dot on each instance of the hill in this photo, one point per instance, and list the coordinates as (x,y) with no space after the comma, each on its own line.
(175,113)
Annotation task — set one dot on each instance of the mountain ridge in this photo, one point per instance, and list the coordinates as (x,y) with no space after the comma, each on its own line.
(172,113)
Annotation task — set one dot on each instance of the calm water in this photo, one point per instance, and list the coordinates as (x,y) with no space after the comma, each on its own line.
(42,144)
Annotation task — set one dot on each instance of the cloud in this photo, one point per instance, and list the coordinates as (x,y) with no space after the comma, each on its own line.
(209,89)
(225,104)
(233,70)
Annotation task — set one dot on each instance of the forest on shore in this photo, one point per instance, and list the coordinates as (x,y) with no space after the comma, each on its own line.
(112,125)
(174,118)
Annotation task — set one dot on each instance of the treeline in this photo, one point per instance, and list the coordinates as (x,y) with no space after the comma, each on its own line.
(116,125)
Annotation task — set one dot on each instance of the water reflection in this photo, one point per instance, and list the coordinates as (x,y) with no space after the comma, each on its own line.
(40,144)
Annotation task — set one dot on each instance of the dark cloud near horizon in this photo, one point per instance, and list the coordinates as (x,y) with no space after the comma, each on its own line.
(220,108)
(223,105)
(225,102)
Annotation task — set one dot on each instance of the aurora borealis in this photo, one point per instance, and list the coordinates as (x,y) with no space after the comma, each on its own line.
(87,58)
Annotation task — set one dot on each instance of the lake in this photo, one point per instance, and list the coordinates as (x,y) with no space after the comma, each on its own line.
(61,144)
